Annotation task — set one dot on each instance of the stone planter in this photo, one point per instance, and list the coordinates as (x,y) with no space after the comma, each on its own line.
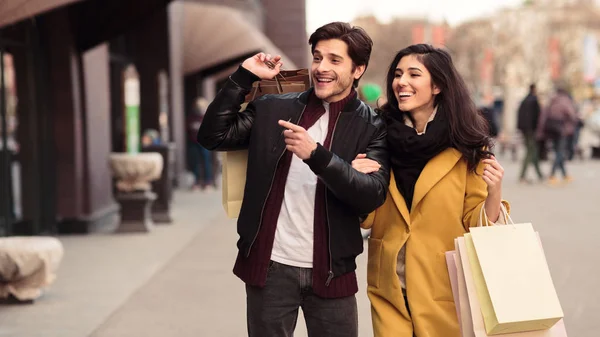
(134,174)
(163,187)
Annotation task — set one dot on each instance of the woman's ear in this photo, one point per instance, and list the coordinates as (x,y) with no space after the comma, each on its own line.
(436,90)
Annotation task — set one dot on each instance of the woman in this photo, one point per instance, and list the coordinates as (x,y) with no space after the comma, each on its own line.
(443,180)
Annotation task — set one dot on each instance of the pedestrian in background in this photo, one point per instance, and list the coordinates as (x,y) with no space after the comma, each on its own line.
(527,122)
(200,159)
(557,122)
(490,116)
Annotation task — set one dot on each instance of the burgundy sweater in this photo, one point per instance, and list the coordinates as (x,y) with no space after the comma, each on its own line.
(253,269)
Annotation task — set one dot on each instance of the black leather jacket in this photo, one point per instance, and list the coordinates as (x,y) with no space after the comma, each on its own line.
(350,193)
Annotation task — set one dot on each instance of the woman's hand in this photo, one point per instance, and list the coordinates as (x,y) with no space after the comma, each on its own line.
(493,173)
(365,165)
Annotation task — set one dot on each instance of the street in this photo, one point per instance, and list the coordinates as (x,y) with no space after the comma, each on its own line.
(177,280)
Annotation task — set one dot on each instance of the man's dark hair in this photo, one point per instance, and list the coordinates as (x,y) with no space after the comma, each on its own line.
(358,41)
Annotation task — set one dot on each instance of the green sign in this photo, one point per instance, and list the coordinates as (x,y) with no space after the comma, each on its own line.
(132,111)
(132,129)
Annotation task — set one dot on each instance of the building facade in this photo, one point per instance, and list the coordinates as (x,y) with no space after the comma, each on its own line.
(62,103)
(541,42)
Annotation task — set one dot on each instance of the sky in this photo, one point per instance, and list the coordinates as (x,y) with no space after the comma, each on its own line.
(320,12)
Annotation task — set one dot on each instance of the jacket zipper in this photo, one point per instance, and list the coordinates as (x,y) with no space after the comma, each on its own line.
(262,211)
(330,273)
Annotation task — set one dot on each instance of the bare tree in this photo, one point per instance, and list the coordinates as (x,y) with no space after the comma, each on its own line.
(467,44)
(388,39)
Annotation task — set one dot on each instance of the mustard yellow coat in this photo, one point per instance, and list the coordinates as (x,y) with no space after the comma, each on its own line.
(447,201)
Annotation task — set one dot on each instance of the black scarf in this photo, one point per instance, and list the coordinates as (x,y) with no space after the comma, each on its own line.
(410,152)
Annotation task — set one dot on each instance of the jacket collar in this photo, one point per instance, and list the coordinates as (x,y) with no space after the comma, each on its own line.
(352,105)
(399,199)
(438,167)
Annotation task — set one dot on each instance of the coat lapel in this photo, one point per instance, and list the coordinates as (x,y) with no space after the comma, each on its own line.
(399,199)
(433,172)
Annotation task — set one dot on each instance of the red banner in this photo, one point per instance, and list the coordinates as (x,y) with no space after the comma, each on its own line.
(554,55)
(487,75)
(439,36)
(418,34)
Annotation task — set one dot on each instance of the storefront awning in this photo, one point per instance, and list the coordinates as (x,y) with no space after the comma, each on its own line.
(12,11)
(93,21)
(213,35)
(97,21)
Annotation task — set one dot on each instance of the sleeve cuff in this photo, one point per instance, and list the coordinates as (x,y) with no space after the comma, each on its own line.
(319,160)
(244,78)
(503,219)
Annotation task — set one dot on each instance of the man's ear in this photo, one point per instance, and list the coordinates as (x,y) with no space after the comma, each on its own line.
(359,71)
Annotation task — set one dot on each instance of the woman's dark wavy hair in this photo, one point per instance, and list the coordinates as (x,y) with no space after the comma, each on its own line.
(469,131)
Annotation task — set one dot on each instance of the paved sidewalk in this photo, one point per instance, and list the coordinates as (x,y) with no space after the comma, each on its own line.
(177,281)
(197,295)
(100,272)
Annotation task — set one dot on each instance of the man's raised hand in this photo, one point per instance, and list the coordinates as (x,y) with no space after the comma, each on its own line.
(258,65)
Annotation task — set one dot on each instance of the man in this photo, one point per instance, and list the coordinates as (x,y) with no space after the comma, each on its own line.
(529,114)
(490,116)
(299,223)
(201,161)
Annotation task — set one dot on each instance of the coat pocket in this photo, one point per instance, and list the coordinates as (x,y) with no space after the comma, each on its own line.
(374,262)
(442,290)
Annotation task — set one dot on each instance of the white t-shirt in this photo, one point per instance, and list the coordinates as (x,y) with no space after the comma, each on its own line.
(294,236)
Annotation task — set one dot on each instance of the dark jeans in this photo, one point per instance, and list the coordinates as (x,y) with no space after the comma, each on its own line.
(531,156)
(272,311)
(542,149)
(559,144)
(572,142)
(201,164)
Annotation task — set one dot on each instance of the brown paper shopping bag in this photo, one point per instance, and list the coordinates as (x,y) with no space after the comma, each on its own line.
(289,76)
(557,330)
(266,87)
(301,75)
(234,181)
(235,162)
(286,81)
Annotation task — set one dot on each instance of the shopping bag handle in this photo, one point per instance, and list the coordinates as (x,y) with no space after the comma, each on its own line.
(279,86)
(271,65)
(483,216)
